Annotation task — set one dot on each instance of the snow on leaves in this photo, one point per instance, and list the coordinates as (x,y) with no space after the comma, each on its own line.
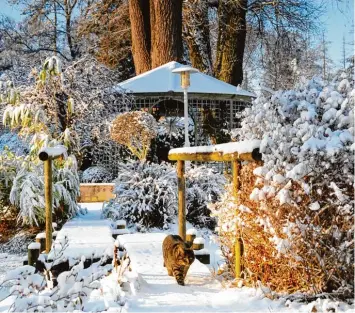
(302,195)
(146,194)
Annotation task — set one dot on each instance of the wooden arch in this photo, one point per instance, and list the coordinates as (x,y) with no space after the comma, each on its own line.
(218,153)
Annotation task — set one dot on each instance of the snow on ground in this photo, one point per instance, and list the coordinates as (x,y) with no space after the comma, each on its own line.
(9,262)
(158,292)
(87,235)
(150,289)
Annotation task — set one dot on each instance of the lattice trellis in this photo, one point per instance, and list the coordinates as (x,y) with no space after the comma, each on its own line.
(222,110)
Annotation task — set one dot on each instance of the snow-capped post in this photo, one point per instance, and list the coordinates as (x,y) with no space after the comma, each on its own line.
(47,155)
(33,253)
(181,199)
(41,239)
(190,236)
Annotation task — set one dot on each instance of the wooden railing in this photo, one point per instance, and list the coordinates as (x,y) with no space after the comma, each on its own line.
(206,154)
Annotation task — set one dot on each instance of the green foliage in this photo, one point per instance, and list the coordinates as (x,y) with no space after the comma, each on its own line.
(9,165)
(27,193)
(38,115)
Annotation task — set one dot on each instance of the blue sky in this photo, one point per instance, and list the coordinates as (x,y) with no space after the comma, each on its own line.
(338,22)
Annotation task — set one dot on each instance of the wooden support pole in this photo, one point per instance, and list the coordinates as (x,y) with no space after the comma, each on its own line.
(235,173)
(181,199)
(48,199)
(238,257)
(238,248)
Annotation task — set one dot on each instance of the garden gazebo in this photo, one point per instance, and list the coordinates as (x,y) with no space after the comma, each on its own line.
(212,104)
(159,92)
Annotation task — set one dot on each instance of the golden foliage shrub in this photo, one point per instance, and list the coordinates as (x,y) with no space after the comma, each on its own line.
(135,130)
(288,247)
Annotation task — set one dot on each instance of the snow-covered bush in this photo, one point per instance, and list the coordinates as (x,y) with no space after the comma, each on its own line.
(135,130)
(295,211)
(42,114)
(9,166)
(97,174)
(146,194)
(89,83)
(203,186)
(171,134)
(80,288)
(27,192)
(11,141)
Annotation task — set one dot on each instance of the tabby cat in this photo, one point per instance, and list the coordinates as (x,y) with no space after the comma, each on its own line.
(177,258)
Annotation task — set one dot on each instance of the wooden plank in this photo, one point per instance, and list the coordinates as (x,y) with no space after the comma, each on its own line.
(98,192)
(212,157)
(181,199)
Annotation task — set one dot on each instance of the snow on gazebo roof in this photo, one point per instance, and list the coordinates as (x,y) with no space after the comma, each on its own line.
(163,80)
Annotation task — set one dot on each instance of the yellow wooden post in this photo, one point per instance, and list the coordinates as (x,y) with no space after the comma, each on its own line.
(238,257)
(238,242)
(235,173)
(47,155)
(48,199)
(181,199)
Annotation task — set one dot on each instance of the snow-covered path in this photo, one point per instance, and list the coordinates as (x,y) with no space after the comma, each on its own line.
(158,292)
(152,290)
(88,235)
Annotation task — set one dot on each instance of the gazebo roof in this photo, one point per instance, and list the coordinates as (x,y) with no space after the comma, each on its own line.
(161,80)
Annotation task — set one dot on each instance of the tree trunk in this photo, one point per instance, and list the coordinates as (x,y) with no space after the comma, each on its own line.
(231,41)
(141,34)
(167,31)
(55,46)
(68,10)
(197,34)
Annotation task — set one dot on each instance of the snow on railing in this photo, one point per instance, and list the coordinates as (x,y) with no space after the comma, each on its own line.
(247,150)
(240,147)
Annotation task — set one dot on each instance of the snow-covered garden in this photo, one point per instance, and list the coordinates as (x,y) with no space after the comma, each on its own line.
(293,211)
(225,122)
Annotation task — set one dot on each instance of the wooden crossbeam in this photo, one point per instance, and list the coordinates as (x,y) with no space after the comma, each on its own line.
(215,156)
